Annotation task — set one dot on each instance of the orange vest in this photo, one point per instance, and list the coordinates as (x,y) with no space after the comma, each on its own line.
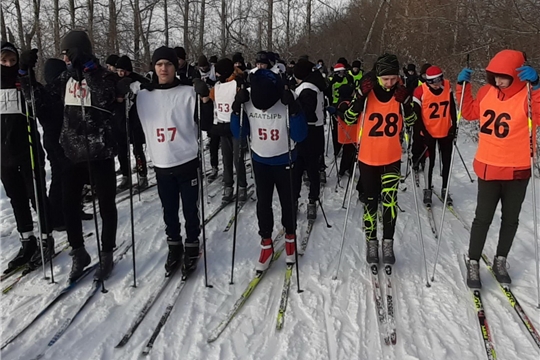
(383,122)
(347,134)
(436,111)
(504,133)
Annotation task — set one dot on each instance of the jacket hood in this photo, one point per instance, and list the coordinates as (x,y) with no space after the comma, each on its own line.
(506,62)
(52,69)
(316,78)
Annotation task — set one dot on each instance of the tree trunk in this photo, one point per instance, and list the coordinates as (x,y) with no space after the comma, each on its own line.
(56,26)
(385,26)
(20,24)
(223,18)
(112,39)
(370,33)
(3,30)
(137,30)
(308,22)
(201,27)
(270,25)
(72,13)
(91,20)
(288,27)
(41,58)
(166,20)
(186,27)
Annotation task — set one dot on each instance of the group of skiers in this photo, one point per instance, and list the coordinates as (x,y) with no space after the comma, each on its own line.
(91,113)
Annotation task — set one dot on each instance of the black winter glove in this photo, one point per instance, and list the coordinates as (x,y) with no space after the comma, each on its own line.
(201,88)
(288,100)
(401,94)
(123,86)
(242,96)
(367,83)
(79,59)
(28,59)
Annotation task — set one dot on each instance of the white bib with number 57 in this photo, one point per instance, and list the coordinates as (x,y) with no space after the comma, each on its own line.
(77,93)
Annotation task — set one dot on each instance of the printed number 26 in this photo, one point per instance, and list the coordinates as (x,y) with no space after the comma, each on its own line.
(162,134)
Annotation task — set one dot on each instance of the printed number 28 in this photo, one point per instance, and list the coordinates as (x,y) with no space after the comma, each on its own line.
(263,134)
(162,134)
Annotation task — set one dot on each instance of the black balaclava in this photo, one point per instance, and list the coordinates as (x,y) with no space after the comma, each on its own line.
(266,89)
(224,67)
(52,69)
(9,73)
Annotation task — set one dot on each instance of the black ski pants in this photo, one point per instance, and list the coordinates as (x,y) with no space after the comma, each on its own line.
(418,147)
(511,193)
(335,142)
(214,149)
(309,153)
(347,158)
(175,183)
(104,179)
(266,178)
(138,152)
(380,181)
(230,151)
(445,147)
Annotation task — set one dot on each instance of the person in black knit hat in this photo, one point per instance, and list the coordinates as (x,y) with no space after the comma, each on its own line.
(87,84)
(16,166)
(136,136)
(310,91)
(239,61)
(185,72)
(111,62)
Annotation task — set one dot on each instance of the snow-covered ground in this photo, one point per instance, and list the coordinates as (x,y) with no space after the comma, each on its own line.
(331,319)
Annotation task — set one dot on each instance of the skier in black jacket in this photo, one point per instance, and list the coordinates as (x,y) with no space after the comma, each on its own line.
(87,141)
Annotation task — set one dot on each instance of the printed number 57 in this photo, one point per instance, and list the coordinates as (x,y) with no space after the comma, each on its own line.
(162,134)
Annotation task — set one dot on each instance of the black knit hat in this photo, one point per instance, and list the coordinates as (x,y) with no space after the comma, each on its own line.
(52,69)
(238,58)
(203,61)
(76,39)
(262,58)
(302,69)
(112,59)
(387,64)
(356,64)
(7,46)
(124,63)
(224,67)
(180,52)
(213,59)
(165,53)
(266,89)
(343,61)
(411,67)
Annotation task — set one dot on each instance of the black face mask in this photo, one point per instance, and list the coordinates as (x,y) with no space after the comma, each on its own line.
(290,70)
(222,78)
(9,76)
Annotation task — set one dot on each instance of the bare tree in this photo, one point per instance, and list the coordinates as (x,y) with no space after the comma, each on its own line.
(269,30)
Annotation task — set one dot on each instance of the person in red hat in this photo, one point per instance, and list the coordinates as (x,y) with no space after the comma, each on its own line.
(435,109)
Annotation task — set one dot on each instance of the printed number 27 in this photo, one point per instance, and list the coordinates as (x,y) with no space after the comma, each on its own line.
(162,134)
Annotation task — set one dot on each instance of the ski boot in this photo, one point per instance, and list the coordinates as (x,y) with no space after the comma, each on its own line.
(80,260)
(104,270)
(473,274)
(191,256)
(501,273)
(267,252)
(27,250)
(290,249)
(228,195)
(372,251)
(322,177)
(449,201)
(213,173)
(175,256)
(388,251)
(48,251)
(143,183)
(312,210)
(427,197)
(242,194)
(123,184)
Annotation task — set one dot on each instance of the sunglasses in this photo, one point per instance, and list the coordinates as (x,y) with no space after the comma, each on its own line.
(435,81)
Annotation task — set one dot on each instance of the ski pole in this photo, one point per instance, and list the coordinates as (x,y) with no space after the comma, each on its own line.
(34,157)
(535,220)
(240,156)
(202,192)
(449,175)
(293,208)
(415,164)
(90,175)
(328,136)
(130,184)
(324,214)
(407,137)
(358,143)
(463,162)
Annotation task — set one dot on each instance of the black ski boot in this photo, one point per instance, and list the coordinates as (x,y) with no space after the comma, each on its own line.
(48,252)
(473,275)
(388,252)
(372,251)
(312,210)
(449,201)
(501,273)
(27,250)
(322,177)
(427,197)
(80,260)
(123,184)
(191,257)
(142,184)
(105,269)
(213,173)
(174,258)
(228,195)
(242,194)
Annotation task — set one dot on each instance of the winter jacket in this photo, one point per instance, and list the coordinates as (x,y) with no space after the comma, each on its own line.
(186,74)
(308,98)
(505,62)
(96,126)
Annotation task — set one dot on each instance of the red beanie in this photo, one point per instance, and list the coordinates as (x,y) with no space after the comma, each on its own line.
(433,72)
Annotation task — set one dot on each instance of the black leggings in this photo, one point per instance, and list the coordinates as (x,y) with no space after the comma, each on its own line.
(511,193)
(445,147)
(380,181)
